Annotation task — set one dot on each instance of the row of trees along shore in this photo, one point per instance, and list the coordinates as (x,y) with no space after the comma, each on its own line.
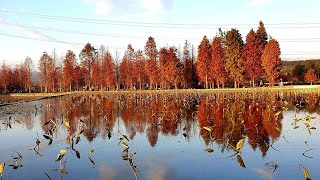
(226,60)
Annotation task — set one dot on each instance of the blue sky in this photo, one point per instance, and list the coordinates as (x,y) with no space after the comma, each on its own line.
(295,24)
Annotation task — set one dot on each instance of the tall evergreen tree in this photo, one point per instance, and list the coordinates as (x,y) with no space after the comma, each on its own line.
(203,61)
(233,53)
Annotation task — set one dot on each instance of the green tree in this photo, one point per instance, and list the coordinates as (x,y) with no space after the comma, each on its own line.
(262,33)
(233,54)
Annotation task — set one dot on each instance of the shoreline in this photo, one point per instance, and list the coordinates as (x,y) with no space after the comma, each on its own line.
(305,88)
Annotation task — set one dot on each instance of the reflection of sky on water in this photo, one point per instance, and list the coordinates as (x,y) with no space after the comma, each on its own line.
(172,156)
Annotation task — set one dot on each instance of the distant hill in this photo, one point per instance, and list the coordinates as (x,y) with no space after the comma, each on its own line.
(288,66)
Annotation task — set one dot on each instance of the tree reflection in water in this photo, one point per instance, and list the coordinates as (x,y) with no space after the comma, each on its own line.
(232,116)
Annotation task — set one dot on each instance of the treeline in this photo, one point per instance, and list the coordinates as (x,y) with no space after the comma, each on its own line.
(17,79)
(300,72)
(224,61)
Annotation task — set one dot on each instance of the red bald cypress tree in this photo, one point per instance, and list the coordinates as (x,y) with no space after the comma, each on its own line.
(139,69)
(217,71)
(151,62)
(203,61)
(271,61)
(310,76)
(109,74)
(68,69)
(252,53)
(173,68)
(163,56)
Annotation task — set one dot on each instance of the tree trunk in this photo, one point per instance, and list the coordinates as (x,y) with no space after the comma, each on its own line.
(206,82)
(235,84)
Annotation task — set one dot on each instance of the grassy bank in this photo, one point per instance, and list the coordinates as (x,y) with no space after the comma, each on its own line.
(7,99)
(18,97)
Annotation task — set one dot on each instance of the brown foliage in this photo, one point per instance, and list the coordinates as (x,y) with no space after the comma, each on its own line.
(271,61)
(68,69)
(217,71)
(152,70)
(252,53)
(46,67)
(203,61)
(233,54)
(310,76)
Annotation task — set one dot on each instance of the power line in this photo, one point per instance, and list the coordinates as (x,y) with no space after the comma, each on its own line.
(77,44)
(160,25)
(314,40)
(112,47)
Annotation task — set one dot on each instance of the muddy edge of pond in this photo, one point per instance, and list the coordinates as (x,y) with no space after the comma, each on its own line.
(12,106)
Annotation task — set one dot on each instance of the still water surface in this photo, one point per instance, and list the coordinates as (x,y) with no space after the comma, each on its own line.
(281,131)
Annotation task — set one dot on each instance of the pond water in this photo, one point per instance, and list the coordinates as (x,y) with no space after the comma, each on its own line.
(163,136)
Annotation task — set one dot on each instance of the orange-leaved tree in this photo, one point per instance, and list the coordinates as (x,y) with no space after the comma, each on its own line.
(252,53)
(26,73)
(151,64)
(310,76)
(87,57)
(5,76)
(173,68)
(203,61)
(163,56)
(46,71)
(217,71)
(69,63)
(139,68)
(271,61)
(109,74)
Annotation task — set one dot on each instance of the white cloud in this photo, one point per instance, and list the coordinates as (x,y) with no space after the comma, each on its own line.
(102,7)
(152,6)
(255,3)
(87,1)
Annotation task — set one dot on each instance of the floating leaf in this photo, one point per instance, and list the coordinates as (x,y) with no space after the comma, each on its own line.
(184,135)
(209,150)
(306,173)
(309,131)
(92,150)
(240,144)
(184,126)
(2,168)
(67,124)
(46,123)
(207,128)
(81,131)
(91,161)
(296,127)
(68,140)
(78,154)
(123,136)
(63,151)
(109,134)
(50,142)
(78,139)
(47,136)
(124,144)
(240,161)
(59,157)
